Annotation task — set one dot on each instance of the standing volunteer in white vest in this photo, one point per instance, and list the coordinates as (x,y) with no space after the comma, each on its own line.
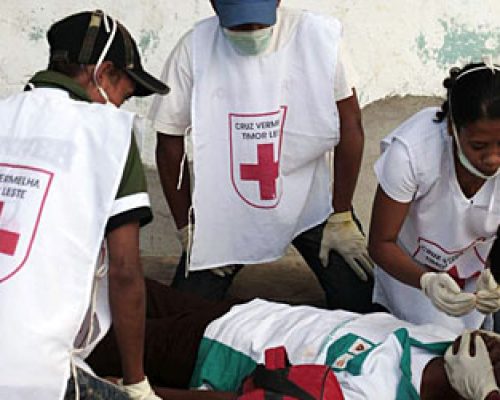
(437,207)
(267,96)
(71,176)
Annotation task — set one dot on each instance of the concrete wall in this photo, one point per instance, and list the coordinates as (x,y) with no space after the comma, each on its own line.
(399,47)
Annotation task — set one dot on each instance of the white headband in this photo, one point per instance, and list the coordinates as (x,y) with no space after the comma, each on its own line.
(488,64)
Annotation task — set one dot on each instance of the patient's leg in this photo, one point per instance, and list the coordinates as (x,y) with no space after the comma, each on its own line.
(174,327)
(176,394)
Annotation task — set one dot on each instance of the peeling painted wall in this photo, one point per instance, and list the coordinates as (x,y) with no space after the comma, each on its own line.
(398,47)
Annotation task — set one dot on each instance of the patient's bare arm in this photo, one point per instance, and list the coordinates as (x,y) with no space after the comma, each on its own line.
(435,384)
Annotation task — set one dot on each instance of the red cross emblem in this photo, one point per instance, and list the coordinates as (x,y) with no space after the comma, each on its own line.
(265,172)
(255,156)
(461,281)
(8,239)
(23,192)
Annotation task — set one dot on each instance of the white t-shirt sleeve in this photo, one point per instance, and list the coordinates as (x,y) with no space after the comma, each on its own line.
(395,173)
(171,114)
(344,80)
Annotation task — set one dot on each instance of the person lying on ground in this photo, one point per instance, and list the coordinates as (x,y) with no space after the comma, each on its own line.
(197,343)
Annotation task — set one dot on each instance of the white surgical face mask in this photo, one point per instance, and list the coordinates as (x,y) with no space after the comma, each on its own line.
(465,161)
(250,43)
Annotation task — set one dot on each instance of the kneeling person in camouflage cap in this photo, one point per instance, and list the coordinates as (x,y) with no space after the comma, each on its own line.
(72,198)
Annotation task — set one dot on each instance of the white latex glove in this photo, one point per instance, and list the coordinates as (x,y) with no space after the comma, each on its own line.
(342,235)
(183,236)
(488,293)
(471,376)
(446,295)
(227,270)
(139,391)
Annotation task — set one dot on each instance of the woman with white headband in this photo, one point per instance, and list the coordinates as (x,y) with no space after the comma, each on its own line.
(437,209)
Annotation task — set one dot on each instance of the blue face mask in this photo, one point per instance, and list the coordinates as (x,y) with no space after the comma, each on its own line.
(250,43)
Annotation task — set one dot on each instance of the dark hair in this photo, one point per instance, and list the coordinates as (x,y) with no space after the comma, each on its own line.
(474,95)
(71,70)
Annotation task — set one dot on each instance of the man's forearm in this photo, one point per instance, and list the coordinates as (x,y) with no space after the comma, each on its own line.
(348,154)
(127,302)
(392,259)
(127,299)
(346,171)
(169,154)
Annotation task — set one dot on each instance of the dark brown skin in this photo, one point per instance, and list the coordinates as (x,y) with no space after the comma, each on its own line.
(435,385)
(348,153)
(479,141)
(387,219)
(177,394)
(127,299)
(169,153)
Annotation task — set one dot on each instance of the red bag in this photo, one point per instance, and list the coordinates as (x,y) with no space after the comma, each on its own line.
(278,380)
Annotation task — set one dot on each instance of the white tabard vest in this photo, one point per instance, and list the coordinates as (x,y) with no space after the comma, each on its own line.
(262,126)
(443,230)
(61,163)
